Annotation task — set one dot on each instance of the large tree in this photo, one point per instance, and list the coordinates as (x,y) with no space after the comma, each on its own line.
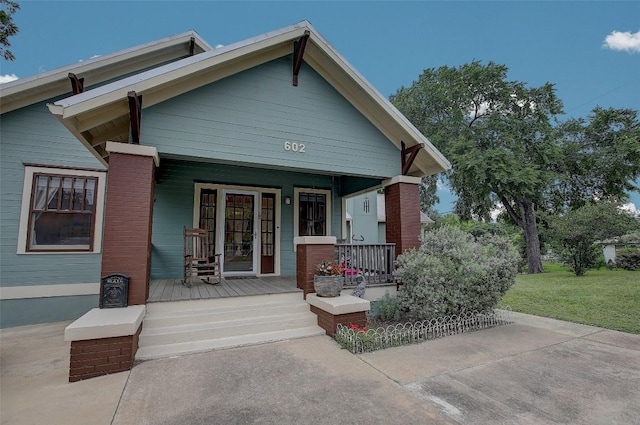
(507,147)
(7,27)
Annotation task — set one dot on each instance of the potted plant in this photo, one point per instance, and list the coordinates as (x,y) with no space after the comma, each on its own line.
(328,279)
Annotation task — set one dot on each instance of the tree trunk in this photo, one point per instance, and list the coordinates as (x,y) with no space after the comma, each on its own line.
(527,222)
(534,258)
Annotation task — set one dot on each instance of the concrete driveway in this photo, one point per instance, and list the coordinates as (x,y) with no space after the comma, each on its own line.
(536,371)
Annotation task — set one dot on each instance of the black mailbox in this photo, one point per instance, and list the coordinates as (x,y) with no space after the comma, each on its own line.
(114,290)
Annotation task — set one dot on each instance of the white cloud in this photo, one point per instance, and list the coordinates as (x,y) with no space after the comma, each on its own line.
(219,46)
(7,78)
(625,41)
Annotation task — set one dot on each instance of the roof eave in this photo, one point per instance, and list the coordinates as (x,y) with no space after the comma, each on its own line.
(55,83)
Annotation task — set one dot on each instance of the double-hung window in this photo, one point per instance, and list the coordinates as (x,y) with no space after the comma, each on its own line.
(63,210)
(313,212)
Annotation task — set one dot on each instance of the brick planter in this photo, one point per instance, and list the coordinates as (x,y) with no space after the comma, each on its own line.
(96,357)
(344,309)
(104,341)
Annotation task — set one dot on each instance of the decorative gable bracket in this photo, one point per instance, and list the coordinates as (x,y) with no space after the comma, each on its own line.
(135,116)
(192,46)
(77,84)
(298,53)
(412,152)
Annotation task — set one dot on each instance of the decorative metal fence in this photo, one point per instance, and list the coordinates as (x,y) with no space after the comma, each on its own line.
(373,262)
(362,340)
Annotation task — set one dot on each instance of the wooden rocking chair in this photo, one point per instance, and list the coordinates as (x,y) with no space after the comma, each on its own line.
(197,260)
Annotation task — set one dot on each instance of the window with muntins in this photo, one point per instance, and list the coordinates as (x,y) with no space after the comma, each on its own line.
(312,214)
(62,212)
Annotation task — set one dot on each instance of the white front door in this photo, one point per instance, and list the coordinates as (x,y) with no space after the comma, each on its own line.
(240,237)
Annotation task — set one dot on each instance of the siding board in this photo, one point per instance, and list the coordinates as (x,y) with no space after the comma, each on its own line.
(33,135)
(247,117)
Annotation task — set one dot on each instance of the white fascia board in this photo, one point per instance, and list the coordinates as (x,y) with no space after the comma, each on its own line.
(118,90)
(58,74)
(80,137)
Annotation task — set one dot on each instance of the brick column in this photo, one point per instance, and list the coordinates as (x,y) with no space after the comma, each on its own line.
(402,210)
(129,216)
(310,251)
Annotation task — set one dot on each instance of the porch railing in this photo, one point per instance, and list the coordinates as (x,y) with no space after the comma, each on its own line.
(374,262)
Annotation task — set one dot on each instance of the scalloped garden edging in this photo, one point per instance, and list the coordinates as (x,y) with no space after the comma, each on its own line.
(362,340)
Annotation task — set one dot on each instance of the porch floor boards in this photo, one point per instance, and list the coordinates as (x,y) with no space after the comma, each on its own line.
(162,290)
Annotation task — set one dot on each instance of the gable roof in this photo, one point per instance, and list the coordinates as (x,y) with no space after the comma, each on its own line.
(47,85)
(102,114)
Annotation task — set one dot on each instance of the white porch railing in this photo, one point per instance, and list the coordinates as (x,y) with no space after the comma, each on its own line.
(374,262)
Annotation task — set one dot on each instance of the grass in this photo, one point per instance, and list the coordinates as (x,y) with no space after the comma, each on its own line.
(604,298)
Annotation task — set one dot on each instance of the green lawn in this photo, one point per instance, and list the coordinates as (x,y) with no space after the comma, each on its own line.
(605,298)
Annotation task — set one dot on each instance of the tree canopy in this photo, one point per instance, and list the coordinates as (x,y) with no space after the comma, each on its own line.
(7,27)
(507,145)
(574,234)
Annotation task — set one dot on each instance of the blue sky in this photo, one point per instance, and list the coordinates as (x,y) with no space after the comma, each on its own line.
(590,50)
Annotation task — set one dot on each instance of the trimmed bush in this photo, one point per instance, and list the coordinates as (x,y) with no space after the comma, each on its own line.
(454,272)
(629,261)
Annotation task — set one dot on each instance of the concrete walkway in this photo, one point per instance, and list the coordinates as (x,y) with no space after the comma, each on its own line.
(536,371)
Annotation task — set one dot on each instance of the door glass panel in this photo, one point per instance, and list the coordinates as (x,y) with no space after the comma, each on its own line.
(208,216)
(238,232)
(267,233)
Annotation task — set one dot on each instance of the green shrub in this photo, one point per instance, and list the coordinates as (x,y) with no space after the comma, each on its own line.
(629,261)
(454,272)
(388,308)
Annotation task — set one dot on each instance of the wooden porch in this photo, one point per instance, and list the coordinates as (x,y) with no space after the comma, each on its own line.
(162,290)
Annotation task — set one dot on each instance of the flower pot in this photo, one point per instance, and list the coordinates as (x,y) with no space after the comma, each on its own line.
(328,286)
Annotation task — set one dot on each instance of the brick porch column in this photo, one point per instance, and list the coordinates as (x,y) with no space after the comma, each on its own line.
(129,216)
(402,209)
(310,251)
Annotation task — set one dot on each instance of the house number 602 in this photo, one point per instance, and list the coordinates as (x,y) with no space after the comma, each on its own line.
(294,147)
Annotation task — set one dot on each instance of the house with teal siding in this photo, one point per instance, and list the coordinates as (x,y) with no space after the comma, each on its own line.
(50,258)
(260,142)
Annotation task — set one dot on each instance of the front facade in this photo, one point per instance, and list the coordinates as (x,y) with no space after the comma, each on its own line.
(53,189)
(259,142)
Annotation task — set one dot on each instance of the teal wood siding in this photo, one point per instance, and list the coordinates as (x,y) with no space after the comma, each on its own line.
(33,135)
(30,311)
(247,117)
(173,208)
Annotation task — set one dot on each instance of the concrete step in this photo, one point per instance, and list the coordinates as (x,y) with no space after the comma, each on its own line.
(222,304)
(223,329)
(209,315)
(183,327)
(168,350)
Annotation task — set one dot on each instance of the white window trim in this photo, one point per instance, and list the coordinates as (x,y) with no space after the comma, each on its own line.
(27,188)
(296,208)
